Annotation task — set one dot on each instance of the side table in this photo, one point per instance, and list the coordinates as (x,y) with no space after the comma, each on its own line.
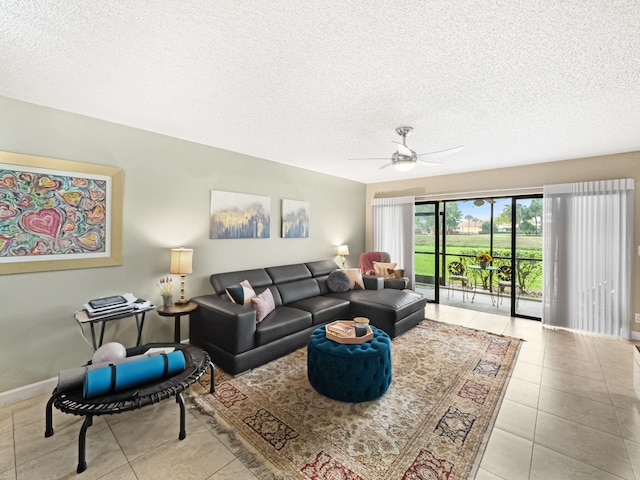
(83,317)
(176,311)
(486,276)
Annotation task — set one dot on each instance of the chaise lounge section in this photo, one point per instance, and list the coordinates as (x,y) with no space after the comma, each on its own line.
(303,301)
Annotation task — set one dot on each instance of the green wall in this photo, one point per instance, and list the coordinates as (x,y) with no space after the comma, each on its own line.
(167,184)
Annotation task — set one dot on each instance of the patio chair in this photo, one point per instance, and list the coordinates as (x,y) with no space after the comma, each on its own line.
(457,274)
(504,280)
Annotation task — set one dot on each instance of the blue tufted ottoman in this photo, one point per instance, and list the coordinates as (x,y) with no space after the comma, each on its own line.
(349,373)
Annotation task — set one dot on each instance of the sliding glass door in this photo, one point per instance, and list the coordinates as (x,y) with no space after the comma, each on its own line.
(426,249)
(451,234)
(527,241)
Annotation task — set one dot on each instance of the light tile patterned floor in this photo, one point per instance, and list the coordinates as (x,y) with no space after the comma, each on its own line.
(570,412)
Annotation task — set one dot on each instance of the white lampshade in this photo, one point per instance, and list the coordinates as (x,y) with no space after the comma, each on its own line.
(181,261)
(343,250)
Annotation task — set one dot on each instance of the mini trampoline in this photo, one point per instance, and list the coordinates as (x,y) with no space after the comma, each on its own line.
(197,361)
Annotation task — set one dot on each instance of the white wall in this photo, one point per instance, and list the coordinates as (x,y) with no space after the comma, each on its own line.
(167,186)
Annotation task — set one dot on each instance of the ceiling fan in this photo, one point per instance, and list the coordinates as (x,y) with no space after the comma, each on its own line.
(404,159)
(478,202)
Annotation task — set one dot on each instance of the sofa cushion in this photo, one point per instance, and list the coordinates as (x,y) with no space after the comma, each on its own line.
(323,309)
(288,273)
(323,267)
(263,305)
(386,303)
(240,293)
(281,322)
(338,281)
(293,291)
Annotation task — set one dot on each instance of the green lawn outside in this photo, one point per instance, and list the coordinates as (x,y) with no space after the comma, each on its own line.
(465,247)
(480,241)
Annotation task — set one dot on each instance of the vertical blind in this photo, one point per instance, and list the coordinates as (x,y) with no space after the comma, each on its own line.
(394,229)
(588,256)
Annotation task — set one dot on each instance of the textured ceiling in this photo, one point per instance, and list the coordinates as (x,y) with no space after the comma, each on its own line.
(317,82)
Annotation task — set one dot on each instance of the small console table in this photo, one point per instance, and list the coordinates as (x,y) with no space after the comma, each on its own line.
(82,317)
(73,402)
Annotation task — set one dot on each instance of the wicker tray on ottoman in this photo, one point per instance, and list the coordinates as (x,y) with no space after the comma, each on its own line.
(351,338)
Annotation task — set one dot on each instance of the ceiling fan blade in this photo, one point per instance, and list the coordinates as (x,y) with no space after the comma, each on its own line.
(442,153)
(428,162)
(403,149)
(386,158)
(386,165)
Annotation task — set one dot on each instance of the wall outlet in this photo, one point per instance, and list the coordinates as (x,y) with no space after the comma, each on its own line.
(637,317)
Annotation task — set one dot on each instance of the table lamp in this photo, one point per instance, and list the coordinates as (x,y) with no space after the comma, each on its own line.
(343,251)
(181,265)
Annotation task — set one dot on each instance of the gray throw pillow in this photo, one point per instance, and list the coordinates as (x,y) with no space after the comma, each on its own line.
(338,282)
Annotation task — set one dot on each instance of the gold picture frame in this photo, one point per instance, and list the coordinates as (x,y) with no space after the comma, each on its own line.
(58,214)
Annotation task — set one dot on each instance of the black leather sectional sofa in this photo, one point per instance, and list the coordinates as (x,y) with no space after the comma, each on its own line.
(237,343)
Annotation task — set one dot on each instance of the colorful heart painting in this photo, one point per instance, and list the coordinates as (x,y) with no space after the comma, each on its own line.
(49,214)
(45,222)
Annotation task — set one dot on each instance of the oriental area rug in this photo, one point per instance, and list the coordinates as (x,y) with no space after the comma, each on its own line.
(433,422)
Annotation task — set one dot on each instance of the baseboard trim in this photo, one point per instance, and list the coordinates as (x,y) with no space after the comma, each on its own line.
(28,391)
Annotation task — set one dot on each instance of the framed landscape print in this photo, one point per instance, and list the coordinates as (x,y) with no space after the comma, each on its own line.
(58,214)
(295,219)
(239,215)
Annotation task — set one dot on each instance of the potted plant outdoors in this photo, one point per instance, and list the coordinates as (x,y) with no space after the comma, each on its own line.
(484,259)
(166,290)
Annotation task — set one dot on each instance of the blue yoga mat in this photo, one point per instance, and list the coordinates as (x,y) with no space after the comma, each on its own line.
(107,380)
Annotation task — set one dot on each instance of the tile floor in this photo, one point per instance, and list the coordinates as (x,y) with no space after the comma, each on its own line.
(570,412)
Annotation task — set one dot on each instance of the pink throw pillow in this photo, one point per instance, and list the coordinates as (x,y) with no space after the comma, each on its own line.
(263,304)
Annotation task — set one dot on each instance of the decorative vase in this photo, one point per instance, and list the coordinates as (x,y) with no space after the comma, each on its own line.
(483,263)
(167,300)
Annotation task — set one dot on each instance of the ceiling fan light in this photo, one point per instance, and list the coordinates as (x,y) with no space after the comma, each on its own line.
(404,165)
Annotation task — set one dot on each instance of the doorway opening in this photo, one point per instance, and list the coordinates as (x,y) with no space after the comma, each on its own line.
(453,236)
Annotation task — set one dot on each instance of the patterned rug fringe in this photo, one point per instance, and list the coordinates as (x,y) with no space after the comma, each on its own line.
(240,449)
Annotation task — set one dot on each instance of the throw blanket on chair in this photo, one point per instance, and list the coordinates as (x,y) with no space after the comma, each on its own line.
(365,264)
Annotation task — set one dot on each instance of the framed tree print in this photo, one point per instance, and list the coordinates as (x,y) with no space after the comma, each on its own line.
(295,219)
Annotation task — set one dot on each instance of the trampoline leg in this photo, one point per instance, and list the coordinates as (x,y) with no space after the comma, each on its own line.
(82,441)
(183,431)
(48,431)
(212,388)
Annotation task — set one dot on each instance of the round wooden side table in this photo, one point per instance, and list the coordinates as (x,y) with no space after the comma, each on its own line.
(176,311)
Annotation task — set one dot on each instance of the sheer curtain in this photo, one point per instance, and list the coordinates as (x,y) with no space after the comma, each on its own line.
(393,231)
(588,256)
